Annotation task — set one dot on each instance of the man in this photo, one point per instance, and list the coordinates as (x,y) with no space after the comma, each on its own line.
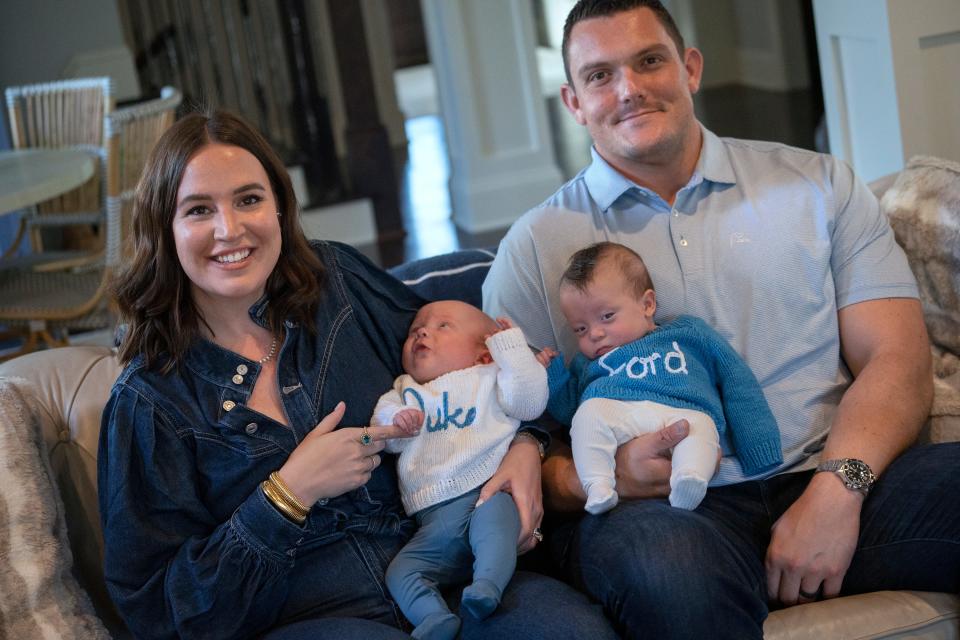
(788,256)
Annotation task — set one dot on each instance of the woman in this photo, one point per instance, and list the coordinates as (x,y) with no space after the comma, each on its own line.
(232,504)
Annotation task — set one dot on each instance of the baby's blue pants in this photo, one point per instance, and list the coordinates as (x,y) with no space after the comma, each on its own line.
(450,536)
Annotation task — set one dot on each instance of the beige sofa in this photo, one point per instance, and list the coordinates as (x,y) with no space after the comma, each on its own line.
(50,406)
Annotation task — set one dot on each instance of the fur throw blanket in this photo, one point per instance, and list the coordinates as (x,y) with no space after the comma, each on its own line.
(924,209)
(40,596)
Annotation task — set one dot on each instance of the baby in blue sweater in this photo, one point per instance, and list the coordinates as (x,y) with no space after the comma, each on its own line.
(633,377)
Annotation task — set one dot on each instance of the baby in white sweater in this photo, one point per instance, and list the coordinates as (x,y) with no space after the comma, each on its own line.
(469,382)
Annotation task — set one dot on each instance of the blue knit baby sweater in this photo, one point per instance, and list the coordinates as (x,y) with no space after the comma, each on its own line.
(684,364)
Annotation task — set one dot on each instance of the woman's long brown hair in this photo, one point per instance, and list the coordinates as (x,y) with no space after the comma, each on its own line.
(153,292)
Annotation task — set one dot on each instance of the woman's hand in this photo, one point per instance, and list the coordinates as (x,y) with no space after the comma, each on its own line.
(329,463)
(519,475)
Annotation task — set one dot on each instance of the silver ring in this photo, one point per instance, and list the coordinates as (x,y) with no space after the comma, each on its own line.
(538,534)
(365,437)
(373,464)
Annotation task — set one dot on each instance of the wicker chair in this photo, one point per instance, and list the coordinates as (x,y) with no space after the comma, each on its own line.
(66,113)
(43,306)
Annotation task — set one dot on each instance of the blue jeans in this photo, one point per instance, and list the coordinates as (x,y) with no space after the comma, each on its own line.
(662,572)
(534,607)
(452,538)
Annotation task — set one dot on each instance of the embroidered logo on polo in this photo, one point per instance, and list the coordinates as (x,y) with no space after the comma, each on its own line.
(739,237)
(443,417)
(639,367)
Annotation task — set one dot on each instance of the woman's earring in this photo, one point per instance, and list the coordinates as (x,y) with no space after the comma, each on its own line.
(278,214)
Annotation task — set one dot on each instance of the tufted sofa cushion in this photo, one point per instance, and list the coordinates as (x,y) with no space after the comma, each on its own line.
(452,276)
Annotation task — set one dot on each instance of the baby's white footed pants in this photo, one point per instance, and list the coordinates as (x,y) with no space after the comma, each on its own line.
(600,425)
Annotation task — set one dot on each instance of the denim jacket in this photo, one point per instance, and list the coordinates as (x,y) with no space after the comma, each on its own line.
(192,547)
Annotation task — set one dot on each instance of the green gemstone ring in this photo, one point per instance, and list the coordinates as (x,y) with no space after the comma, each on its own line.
(365,437)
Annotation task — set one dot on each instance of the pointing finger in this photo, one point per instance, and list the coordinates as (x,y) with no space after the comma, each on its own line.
(386,432)
(330,421)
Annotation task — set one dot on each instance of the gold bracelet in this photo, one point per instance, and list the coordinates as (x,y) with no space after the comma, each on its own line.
(277,500)
(274,493)
(287,493)
(286,508)
(526,435)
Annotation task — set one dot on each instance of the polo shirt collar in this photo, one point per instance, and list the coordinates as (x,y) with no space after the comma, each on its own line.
(714,163)
(606,184)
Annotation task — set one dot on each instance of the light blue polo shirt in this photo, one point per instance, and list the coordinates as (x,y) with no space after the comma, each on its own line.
(765,243)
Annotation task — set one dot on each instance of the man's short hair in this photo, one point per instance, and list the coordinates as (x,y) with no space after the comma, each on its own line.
(586,9)
(582,267)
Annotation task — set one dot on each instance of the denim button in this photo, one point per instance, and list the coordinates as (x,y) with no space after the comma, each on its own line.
(228,405)
(251,428)
(242,370)
(238,379)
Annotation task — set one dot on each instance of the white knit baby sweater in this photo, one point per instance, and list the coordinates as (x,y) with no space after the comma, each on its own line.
(471,415)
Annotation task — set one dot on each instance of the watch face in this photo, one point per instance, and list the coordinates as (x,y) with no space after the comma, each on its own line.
(857,474)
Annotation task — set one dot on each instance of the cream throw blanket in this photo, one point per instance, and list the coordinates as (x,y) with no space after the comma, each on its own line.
(39,597)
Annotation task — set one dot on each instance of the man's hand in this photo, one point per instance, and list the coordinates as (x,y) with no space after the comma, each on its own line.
(643,464)
(813,542)
(410,420)
(643,469)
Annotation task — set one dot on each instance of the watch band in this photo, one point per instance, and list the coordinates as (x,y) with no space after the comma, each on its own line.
(855,473)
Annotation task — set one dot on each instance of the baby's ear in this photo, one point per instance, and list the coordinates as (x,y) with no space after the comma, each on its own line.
(484,357)
(649,301)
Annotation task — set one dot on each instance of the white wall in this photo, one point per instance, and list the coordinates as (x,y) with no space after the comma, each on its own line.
(926,63)
(891,83)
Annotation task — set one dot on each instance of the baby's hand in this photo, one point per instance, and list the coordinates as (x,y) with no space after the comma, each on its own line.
(409,420)
(503,323)
(545,356)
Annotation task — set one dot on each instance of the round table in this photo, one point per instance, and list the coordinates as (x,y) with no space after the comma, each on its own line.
(29,176)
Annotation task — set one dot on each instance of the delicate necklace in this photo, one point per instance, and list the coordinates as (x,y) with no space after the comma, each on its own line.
(273,350)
